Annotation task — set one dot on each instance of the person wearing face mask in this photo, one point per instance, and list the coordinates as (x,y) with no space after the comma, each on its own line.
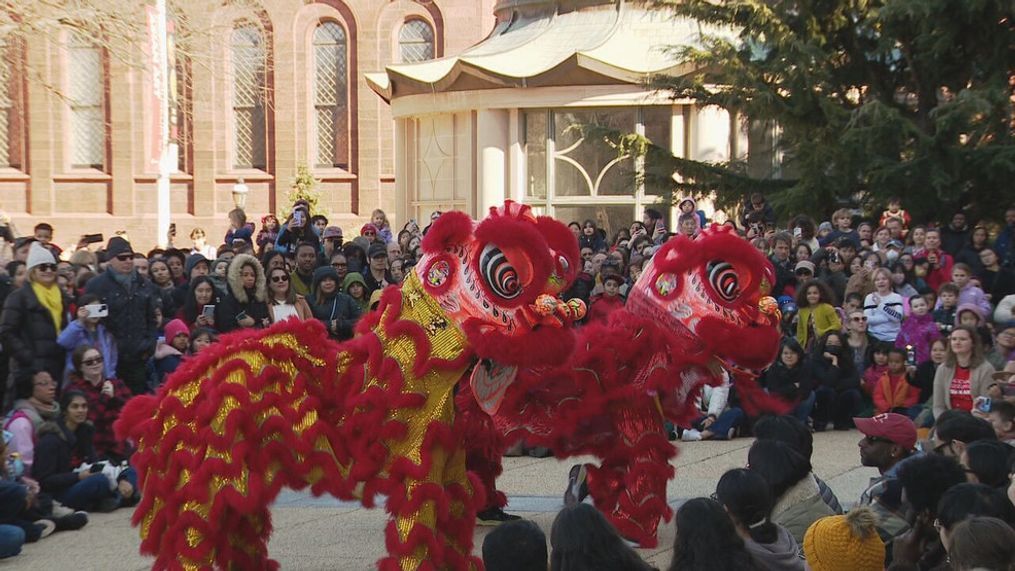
(32,319)
(838,383)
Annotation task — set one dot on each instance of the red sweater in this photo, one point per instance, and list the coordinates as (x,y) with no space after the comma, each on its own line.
(603,306)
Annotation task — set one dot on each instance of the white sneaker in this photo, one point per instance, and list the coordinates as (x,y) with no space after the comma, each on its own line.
(48,527)
(60,510)
(691,435)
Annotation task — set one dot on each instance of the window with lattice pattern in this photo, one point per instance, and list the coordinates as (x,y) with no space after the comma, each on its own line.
(85,94)
(331,80)
(415,41)
(249,97)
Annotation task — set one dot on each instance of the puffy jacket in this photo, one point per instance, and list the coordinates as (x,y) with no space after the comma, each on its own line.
(29,336)
(131,312)
(338,308)
(240,300)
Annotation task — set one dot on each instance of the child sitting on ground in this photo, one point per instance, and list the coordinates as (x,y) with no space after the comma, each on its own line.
(893,393)
(918,330)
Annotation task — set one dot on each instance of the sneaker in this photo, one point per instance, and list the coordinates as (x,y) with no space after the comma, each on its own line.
(630,543)
(691,435)
(731,433)
(45,527)
(577,485)
(60,510)
(72,522)
(494,516)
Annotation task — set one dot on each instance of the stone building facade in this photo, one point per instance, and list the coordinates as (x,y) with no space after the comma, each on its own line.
(260,90)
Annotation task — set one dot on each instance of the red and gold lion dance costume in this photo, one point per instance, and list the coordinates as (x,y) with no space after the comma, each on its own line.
(379,414)
(286,407)
(699,309)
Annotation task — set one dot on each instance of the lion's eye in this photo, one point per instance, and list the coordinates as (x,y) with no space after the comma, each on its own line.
(498,272)
(723,279)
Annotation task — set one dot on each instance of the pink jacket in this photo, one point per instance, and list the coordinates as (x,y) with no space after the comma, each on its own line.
(920,331)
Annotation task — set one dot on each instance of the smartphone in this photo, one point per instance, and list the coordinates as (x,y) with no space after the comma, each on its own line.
(208,311)
(983,404)
(241,316)
(97,310)
(92,239)
(298,219)
(797,232)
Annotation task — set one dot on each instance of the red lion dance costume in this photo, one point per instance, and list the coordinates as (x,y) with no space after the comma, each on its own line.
(286,407)
(700,308)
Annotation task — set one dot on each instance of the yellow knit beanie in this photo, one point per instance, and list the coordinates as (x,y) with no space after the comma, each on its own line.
(845,542)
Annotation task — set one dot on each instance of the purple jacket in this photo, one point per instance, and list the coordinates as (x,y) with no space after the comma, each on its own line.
(920,331)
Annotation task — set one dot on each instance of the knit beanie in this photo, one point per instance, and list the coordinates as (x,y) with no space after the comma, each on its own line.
(174,328)
(38,255)
(845,543)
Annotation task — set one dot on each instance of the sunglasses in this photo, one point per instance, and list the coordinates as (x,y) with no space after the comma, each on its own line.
(339,265)
(90,362)
(46,267)
(804,272)
(125,257)
(370,233)
(278,279)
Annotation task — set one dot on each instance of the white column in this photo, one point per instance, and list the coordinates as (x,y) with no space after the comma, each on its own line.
(491,157)
(710,139)
(402,184)
(167,158)
(516,158)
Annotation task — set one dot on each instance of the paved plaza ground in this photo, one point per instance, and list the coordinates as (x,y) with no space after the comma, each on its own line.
(325,534)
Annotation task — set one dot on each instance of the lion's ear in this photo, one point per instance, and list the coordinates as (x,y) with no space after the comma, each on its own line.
(450,228)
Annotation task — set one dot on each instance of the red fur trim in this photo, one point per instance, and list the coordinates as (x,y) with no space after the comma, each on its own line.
(542,346)
(451,228)
(561,240)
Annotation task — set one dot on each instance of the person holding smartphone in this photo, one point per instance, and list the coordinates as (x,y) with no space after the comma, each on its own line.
(244,306)
(199,304)
(89,331)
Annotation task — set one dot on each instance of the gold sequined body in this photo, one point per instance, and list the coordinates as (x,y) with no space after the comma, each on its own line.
(283,409)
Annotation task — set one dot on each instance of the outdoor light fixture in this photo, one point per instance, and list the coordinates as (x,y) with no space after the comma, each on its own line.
(240,192)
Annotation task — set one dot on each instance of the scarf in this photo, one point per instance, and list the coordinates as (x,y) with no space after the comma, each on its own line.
(52,299)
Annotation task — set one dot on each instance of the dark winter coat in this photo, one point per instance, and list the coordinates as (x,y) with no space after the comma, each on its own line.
(839,378)
(58,452)
(29,336)
(338,308)
(240,300)
(792,385)
(132,319)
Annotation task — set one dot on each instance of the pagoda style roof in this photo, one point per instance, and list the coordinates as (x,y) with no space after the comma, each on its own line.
(541,43)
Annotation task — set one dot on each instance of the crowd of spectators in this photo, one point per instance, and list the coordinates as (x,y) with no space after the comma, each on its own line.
(882,318)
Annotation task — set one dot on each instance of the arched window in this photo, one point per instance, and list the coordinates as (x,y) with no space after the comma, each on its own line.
(249,95)
(86,96)
(11,119)
(415,41)
(331,81)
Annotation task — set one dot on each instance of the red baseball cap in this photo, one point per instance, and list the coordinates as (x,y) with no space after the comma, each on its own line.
(895,427)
